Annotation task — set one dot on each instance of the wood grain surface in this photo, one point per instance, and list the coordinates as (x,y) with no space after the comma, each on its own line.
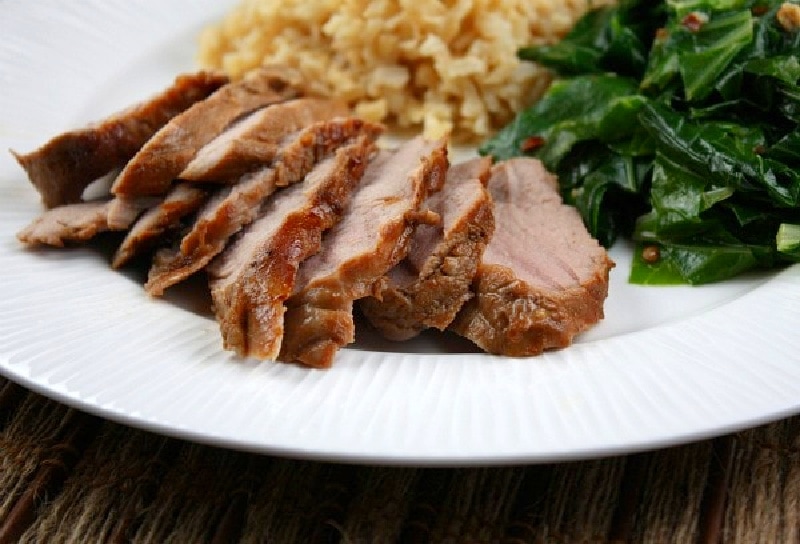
(70,477)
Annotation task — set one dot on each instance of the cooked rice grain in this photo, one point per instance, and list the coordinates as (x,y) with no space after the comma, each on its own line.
(448,66)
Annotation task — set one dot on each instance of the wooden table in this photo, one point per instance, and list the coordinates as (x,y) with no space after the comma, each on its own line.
(66,476)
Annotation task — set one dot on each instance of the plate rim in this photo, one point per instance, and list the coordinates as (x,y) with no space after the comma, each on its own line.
(426,455)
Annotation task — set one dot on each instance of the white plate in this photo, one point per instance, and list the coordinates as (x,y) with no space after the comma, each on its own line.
(668,365)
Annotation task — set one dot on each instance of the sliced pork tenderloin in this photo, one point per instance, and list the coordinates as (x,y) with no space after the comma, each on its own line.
(78,222)
(154,167)
(253,277)
(63,167)
(122,208)
(253,141)
(256,139)
(431,284)
(235,207)
(542,279)
(183,200)
(370,240)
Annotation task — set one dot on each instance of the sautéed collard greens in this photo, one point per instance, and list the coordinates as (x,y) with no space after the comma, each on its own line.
(676,123)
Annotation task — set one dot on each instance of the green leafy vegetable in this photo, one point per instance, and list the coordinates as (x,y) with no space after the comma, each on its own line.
(704,55)
(675,123)
(606,39)
(593,107)
(695,264)
(788,240)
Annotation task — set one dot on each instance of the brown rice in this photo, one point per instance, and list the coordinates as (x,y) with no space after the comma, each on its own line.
(447,66)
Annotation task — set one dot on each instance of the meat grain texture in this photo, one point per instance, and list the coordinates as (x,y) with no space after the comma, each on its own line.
(237,205)
(251,280)
(63,167)
(79,222)
(430,285)
(543,279)
(373,237)
(295,217)
(256,139)
(71,223)
(183,200)
(164,156)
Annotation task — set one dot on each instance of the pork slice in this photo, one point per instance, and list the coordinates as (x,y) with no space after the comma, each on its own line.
(235,207)
(123,210)
(372,238)
(543,279)
(253,277)
(310,145)
(431,284)
(255,140)
(154,167)
(77,222)
(183,200)
(63,167)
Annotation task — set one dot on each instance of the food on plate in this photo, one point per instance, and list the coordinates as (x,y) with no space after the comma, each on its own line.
(538,294)
(428,287)
(63,167)
(257,139)
(253,277)
(448,67)
(77,222)
(677,124)
(183,200)
(234,207)
(294,213)
(164,156)
(372,237)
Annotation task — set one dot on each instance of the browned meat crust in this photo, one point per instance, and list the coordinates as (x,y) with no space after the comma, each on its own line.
(543,279)
(63,167)
(251,280)
(255,140)
(429,287)
(372,238)
(154,167)
(182,200)
(235,207)
(316,330)
(77,222)
(508,317)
